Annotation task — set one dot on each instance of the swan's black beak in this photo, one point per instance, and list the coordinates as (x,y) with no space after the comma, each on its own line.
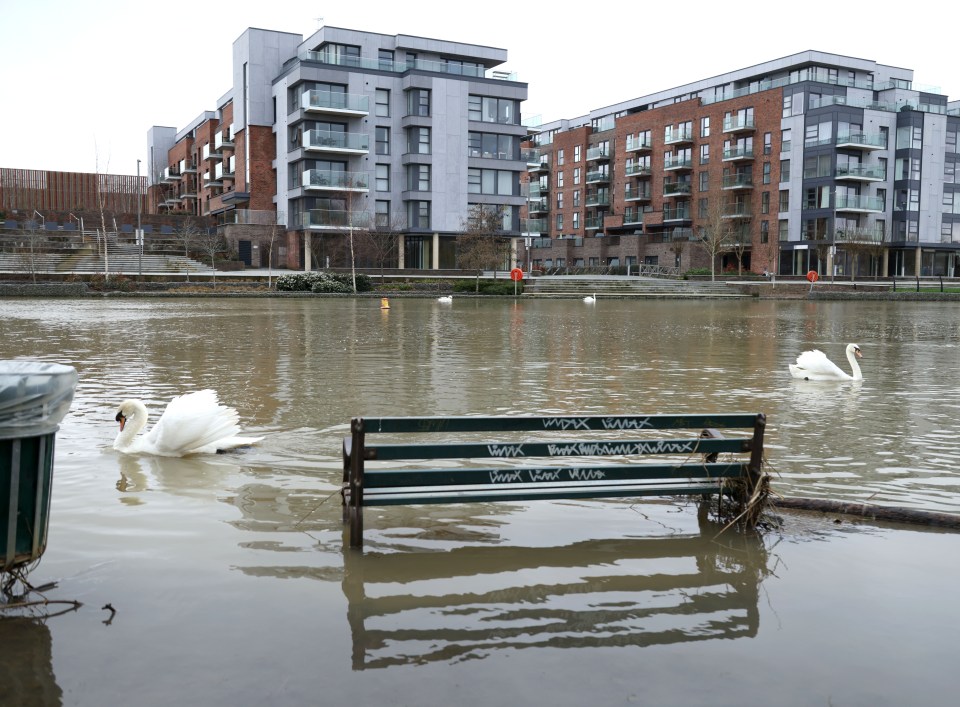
(122,419)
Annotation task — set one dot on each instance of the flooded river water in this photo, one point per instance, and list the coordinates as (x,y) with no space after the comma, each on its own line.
(229,577)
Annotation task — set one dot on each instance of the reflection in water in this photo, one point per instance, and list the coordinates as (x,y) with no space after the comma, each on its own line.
(26,670)
(473,601)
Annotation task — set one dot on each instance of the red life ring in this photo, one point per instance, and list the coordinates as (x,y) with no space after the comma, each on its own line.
(812,276)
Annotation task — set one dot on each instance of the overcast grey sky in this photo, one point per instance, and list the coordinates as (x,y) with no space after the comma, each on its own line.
(83,82)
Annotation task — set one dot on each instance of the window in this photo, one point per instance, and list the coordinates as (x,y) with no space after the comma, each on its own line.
(559,199)
(704,154)
(576,220)
(787,106)
(560,178)
(767,143)
(784,171)
(418,141)
(382,214)
(705,127)
(766,172)
(490,181)
(492,146)
(765,203)
(783,231)
(411,60)
(576,198)
(764,231)
(386,59)
(576,152)
(418,214)
(704,180)
(418,102)
(576,175)
(382,140)
(418,177)
(492,110)
(383,177)
(559,223)
(784,201)
(559,158)
(381,107)
(703,208)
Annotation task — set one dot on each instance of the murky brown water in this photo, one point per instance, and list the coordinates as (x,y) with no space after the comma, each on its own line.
(228,576)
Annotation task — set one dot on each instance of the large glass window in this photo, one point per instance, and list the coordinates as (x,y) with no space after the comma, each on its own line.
(386,59)
(492,146)
(490,181)
(383,177)
(418,177)
(418,102)
(418,141)
(493,110)
(418,214)
(382,213)
(383,140)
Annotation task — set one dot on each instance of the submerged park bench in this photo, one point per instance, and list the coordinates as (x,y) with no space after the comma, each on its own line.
(527,469)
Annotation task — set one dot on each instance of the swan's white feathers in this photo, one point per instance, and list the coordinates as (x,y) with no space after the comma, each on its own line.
(814,365)
(195,423)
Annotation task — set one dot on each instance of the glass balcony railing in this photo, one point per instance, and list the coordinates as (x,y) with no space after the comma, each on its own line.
(737,123)
(632,193)
(636,144)
(538,206)
(597,177)
(637,170)
(533,225)
(737,211)
(335,219)
(597,200)
(854,202)
(335,180)
(677,163)
(327,140)
(872,173)
(335,102)
(598,153)
(676,213)
(677,189)
(737,181)
(633,217)
(865,141)
(593,223)
(675,136)
(738,153)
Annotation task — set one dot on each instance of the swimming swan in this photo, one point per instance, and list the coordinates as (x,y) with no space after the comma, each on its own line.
(445,298)
(815,366)
(590,298)
(195,423)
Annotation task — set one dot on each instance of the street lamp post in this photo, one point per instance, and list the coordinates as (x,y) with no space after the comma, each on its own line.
(139,232)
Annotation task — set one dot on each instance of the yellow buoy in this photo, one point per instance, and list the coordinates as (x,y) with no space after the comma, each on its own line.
(384,303)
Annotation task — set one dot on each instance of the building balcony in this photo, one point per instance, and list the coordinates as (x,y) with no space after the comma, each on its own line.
(341,143)
(681,234)
(187,196)
(859,204)
(738,181)
(860,235)
(635,144)
(334,219)
(860,173)
(738,124)
(187,167)
(542,166)
(593,223)
(737,154)
(533,225)
(335,103)
(862,141)
(538,206)
(671,189)
(598,177)
(633,193)
(223,140)
(673,164)
(633,217)
(329,180)
(678,137)
(598,153)
(530,155)
(737,211)
(211,180)
(209,154)
(535,190)
(680,212)
(171,175)
(594,200)
(637,170)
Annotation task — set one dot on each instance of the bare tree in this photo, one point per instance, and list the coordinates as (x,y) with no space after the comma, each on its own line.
(481,243)
(716,232)
(383,239)
(211,242)
(677,246)
(269,240)
(30,247)
(101,205)
(877,247)
(187,233)
(739,244)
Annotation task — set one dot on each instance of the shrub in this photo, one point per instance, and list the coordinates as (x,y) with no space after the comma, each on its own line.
(320,281)
(697,271)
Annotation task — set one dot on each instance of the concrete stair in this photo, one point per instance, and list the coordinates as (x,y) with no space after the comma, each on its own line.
(622,287)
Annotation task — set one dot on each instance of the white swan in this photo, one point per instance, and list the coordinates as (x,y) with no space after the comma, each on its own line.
(815,366)
(590,299)
(195,423)
(445,299)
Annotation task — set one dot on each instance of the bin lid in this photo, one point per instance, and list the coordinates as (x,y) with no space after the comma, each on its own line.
(34,397)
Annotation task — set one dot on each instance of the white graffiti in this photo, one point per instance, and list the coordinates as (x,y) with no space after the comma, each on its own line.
(587,474)
(544,474)
(506,477)
(505,450)
(566,423)
(620,423)
(584,449)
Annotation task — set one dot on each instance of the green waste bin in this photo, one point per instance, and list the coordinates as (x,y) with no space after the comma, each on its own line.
(34,397)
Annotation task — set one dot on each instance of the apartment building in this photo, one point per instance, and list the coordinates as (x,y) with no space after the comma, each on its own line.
(351,132)
(814,161)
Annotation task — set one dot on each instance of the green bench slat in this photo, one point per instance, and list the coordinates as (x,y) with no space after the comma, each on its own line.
(398,478)
(559,423)
(533,494)
(567,448)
